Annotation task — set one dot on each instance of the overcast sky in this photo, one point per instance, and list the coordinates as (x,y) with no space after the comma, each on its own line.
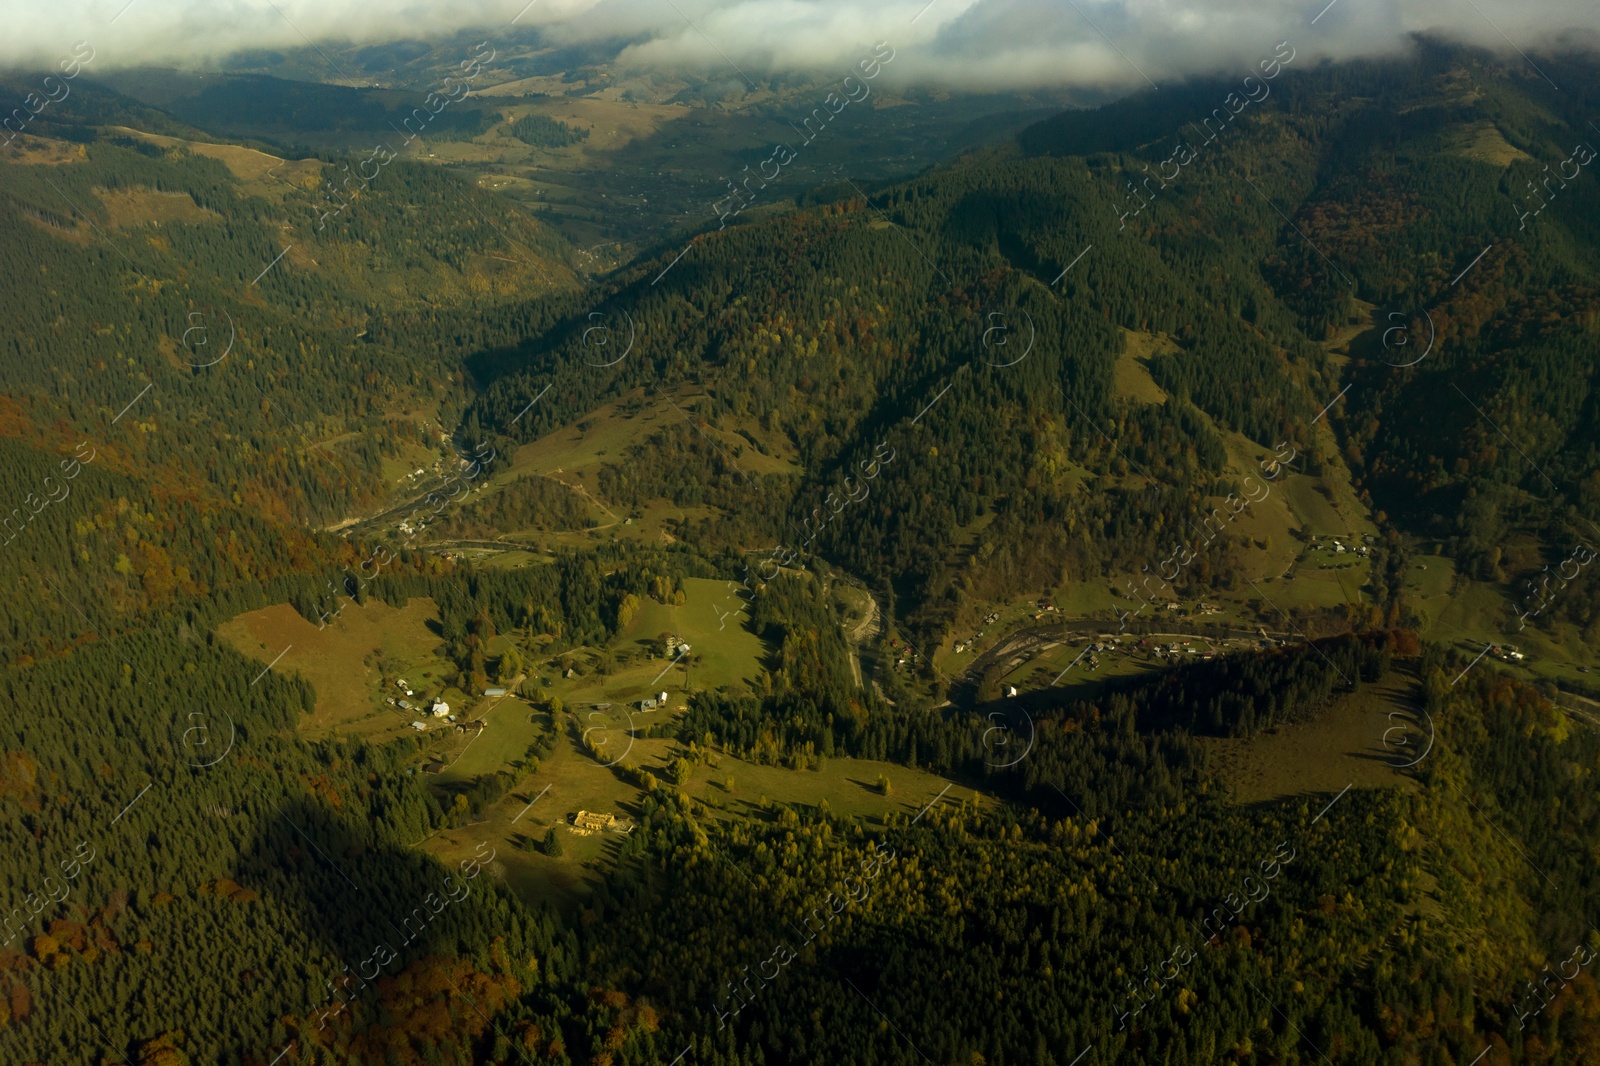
(962,43)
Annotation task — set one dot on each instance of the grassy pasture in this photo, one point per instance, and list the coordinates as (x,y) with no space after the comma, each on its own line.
(1132,378)
(571,780)
(128,208)
(1343,746)
(340,659)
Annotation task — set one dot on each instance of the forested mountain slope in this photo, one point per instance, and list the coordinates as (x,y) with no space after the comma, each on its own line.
(187,332)
(1028,378)
(1346,197)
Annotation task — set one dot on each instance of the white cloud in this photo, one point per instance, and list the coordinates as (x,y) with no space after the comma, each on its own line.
(960,43)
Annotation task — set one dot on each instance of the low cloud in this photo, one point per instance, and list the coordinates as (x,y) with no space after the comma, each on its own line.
(969,44)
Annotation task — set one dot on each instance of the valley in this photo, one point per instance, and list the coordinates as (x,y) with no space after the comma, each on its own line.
(486,584)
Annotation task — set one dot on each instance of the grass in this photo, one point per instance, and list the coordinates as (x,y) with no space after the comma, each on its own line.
(1046,666)
(571,780)
(607,433)
(724,651)
(513,559)
(1343,746)
(1484,142)
(1430,577)
(260,174)
(140,207)
(1131,375)
(513,725)
(1472,616)
(29,150)
(340,660)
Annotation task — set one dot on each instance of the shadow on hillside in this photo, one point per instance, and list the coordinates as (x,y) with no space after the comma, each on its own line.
(373,908)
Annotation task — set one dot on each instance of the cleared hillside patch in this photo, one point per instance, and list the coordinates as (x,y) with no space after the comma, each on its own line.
(340,660)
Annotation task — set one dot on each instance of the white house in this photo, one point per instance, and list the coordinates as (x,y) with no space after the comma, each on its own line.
(1011,690)
(440,708)
(661,697)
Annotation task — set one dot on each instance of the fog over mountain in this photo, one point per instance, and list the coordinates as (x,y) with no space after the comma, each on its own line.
(973,44)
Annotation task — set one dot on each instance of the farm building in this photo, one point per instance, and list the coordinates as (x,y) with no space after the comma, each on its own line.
(494,691)
(473,728)
(440,708)
(419,726)
(591,821)
(647,705)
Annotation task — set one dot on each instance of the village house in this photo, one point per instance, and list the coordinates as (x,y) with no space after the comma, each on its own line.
(440,709)
(592,822)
